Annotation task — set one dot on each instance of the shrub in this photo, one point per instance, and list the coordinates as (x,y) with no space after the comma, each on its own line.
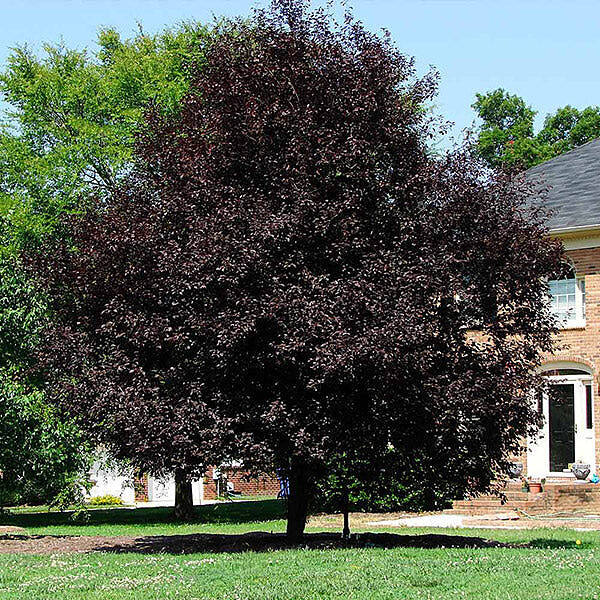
(43,458)
(106,500)
(386,485)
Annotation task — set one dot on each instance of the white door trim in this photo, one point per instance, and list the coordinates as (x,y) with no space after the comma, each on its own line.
(538,450)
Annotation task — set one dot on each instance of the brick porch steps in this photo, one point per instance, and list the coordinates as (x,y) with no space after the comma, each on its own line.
(557,497)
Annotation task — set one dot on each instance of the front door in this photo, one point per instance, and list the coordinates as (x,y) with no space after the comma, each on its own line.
(567,435)
(561,423)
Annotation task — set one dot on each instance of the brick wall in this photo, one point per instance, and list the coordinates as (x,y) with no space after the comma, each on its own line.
(140,487)
(582,345)
(265,485)
(575,498)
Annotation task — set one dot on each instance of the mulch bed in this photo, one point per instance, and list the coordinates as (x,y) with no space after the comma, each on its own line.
(248,542)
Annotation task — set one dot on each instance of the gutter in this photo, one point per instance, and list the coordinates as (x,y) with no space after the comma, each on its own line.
(576,231)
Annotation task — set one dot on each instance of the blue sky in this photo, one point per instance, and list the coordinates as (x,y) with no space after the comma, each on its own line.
(547,51)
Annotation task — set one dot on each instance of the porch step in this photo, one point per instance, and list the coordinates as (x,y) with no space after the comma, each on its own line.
(488,505)
(556,497)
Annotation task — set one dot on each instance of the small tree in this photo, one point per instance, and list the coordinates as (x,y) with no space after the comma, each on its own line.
(41,455)
(290,278)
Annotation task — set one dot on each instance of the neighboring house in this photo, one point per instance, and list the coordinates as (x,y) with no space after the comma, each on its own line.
(108,478)
(217,482)
(572,410)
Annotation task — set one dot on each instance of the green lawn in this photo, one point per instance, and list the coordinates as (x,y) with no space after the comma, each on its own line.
(231,517)
(555,567)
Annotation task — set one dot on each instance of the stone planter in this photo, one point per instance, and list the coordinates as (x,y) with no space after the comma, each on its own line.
(515,470)
(580,470)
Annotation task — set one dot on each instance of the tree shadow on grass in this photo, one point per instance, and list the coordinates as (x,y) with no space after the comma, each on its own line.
(258,541)
(223,513)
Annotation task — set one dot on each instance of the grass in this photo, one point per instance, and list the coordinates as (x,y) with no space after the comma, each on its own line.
(557,573)
(232,517)
(554,567)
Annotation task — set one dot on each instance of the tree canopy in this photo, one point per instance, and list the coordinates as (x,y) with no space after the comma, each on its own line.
(289,278)
(43,457)
(72,116)
(506,136)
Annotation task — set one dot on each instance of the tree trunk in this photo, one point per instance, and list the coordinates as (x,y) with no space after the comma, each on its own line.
(184,503)
(346,530)
(297,504)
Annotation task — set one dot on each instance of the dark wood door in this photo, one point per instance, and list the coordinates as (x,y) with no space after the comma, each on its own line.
(562,426)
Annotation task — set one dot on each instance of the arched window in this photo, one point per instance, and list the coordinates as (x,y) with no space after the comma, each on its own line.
(567,298)
(565,367)
(558,372)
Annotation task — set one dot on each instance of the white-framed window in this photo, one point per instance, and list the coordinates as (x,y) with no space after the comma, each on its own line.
(567,301)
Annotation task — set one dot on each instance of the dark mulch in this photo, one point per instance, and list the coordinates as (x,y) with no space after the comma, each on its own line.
(214,543)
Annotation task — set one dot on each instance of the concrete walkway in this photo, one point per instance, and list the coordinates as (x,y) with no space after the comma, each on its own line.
(424,521)
(499,520)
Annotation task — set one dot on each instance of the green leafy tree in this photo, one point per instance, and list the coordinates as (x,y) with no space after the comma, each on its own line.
(506,130)
(42,456)
(506,135)
(73,115)
(66,136)
(568,128)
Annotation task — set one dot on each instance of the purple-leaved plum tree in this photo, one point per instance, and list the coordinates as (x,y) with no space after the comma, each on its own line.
(290,276)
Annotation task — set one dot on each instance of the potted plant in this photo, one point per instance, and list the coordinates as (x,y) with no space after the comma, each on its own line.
(535,487)
(515,470)
(581,470)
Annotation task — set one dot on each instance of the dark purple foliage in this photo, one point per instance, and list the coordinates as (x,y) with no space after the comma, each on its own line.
(290,276)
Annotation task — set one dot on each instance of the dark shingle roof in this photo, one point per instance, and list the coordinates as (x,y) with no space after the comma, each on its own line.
(573,180)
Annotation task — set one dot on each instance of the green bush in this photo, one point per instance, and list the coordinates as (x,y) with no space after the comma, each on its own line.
(106,500)
(44,459)
(386,486)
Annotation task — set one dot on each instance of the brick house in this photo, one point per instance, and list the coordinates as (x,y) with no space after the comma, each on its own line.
(571,431)
(571,411)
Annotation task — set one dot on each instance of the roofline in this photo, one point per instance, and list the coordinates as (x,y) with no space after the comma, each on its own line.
(539,168)
(576,231)
(577,238)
